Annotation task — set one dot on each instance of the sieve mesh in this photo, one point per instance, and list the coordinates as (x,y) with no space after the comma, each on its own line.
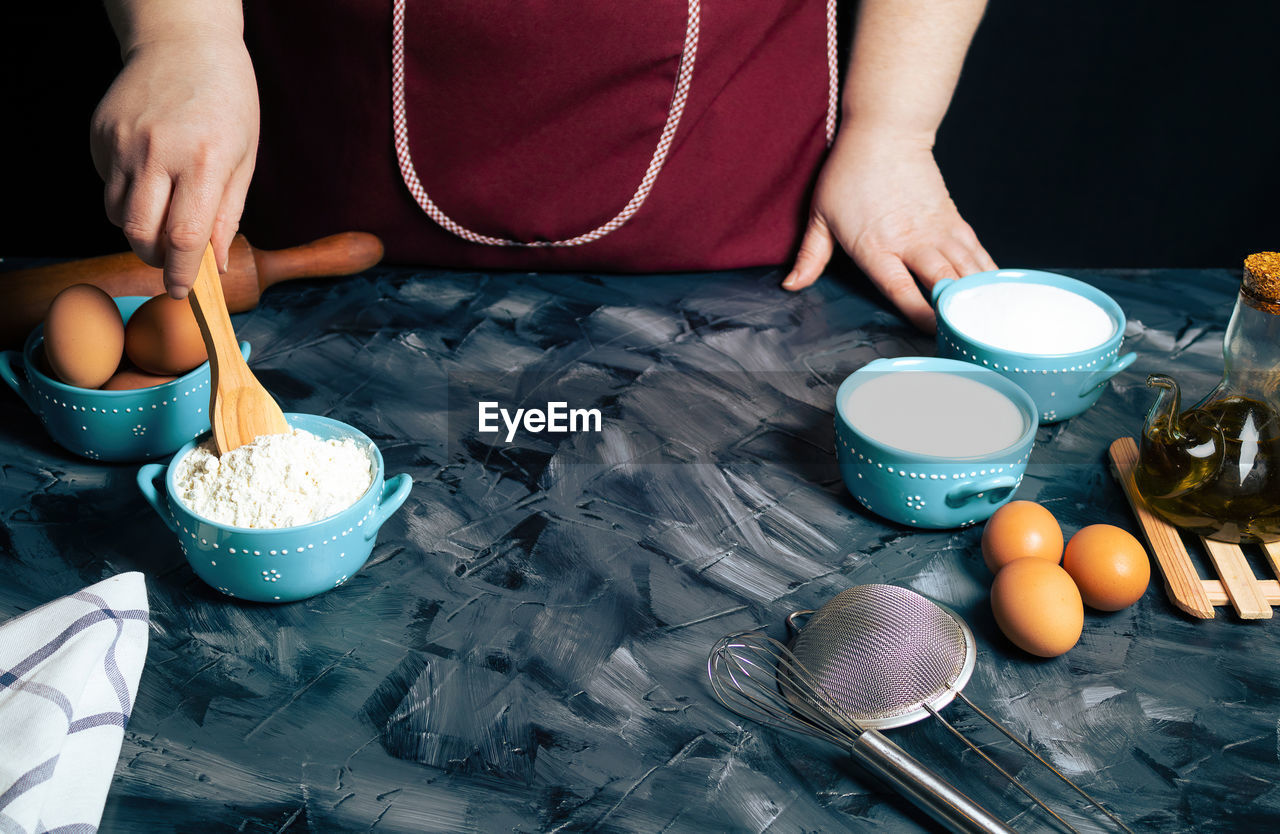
(881,651)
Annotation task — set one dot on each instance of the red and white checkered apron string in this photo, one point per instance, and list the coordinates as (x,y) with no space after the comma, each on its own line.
(684,76)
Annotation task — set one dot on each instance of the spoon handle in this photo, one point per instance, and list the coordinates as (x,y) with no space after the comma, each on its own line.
(210,308)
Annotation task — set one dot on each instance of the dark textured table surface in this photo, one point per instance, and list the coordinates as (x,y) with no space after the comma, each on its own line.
(526,648)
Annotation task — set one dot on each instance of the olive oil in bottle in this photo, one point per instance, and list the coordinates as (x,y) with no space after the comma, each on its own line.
(1215,469)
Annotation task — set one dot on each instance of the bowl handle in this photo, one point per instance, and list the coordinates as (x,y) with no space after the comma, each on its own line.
(394,491)
(20,384)
(995,487)
(1099,378)
(147,476)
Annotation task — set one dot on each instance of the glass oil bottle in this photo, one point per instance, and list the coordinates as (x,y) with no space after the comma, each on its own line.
(1215,469)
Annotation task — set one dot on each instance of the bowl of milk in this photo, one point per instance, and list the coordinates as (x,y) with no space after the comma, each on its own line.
(1057,337)
(931,442)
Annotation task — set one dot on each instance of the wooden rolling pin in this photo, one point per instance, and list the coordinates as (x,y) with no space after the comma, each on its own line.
(25,294)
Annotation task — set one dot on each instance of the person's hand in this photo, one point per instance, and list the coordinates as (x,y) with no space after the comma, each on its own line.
(883,200)
(175,139)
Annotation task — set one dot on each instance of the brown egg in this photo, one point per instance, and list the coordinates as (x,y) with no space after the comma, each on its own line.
(83,336)
(162,337)
(129,378)
(1109,566)
(1037,606)
(1018,530)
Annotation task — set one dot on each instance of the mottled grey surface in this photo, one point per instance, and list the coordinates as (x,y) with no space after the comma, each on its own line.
(526,649)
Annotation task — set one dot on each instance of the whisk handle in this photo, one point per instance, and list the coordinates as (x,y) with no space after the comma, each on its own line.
(926,789)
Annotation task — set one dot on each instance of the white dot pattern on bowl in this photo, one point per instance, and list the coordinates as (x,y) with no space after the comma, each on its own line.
(916,502)
(138,430)
(128,410)
(269,575)
(932,476)
(972,357)
(282,551)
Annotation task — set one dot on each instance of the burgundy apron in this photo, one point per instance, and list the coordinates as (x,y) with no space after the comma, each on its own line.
(543,134)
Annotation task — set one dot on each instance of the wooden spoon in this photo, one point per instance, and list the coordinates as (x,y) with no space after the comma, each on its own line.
(240,409)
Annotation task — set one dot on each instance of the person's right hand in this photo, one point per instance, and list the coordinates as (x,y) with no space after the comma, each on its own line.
(175,139)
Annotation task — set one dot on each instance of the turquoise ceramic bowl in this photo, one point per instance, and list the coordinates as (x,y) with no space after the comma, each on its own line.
(289,563)
(921,490)
(1062,384)
(111,425)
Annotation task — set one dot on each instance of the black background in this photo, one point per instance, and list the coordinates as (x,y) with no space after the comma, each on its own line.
(1097,133)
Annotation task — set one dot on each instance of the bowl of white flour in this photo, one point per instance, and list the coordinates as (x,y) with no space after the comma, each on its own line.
(282,518)
(1056,337)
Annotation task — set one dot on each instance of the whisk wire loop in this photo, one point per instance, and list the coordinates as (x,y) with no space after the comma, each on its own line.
(747,673)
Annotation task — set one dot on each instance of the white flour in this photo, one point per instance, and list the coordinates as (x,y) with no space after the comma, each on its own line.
(1029,318)
(278,480)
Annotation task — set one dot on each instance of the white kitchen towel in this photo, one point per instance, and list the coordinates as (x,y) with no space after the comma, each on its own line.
(68,678)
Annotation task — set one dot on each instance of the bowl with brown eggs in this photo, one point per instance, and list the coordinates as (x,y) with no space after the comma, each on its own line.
(93,397)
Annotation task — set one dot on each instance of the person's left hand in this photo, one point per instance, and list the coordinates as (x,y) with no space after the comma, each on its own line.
(883,199)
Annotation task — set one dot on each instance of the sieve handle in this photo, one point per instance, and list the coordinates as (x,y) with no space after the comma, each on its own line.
(927,790)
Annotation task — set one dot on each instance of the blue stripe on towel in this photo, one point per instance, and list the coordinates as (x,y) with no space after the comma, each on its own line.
(40,773)
(42,653)
(114,719)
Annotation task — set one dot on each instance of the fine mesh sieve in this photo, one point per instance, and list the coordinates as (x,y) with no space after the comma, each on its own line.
(884,653)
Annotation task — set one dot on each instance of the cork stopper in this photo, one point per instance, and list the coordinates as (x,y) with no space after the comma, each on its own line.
(1261,284)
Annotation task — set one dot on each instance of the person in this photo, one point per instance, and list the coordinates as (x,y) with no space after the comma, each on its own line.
(511,134)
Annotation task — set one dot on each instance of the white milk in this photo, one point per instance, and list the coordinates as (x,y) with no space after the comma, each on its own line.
(1029,318)
(928,413)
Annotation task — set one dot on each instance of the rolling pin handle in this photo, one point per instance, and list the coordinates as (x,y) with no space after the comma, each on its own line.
(342,254)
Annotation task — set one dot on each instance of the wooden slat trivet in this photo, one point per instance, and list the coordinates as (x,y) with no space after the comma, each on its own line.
(1251,597)
(1238,581)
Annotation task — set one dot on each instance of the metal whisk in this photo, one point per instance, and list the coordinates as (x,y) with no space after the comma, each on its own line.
(749,673)
(874,657)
